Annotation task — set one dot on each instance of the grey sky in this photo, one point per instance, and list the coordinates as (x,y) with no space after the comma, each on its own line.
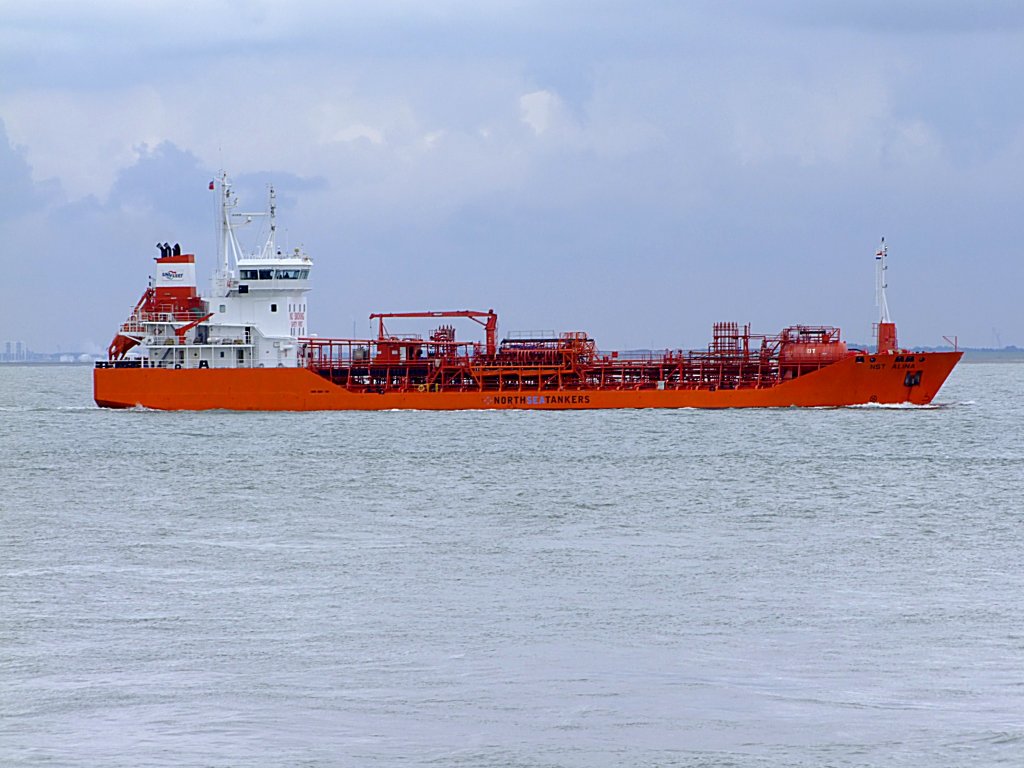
(637,170)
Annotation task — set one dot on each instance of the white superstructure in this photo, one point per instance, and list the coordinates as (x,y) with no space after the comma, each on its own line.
(253,317)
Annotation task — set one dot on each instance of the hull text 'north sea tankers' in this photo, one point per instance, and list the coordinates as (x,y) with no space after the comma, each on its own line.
(245,347)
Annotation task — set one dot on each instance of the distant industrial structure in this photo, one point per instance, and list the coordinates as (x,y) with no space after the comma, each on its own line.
(15,352)
(18,352)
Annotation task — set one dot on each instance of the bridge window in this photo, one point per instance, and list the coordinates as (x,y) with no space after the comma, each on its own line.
(273,274)
(273,307)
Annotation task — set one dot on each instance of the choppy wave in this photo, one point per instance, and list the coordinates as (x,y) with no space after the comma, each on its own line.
(48,408)
(901,406)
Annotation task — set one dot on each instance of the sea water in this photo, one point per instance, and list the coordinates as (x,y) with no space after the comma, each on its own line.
(782,587)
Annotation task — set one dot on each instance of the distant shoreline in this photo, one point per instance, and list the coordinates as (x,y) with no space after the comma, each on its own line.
(993,356)
(46,363)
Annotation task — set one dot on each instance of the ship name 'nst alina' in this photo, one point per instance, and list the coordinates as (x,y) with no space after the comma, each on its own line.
(246,346)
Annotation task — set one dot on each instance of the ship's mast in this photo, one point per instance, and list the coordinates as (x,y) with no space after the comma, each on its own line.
(270,248)
(885,327)
(224,222)
(881,284)
(227,242)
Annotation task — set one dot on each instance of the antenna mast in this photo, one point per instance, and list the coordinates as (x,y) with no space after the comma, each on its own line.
(271,246)
(225,237)
(881,284)
(224,222)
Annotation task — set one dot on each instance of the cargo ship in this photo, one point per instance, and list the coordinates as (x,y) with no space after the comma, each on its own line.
(245,346)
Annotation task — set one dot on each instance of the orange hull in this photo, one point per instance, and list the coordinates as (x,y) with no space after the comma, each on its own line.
(845,382)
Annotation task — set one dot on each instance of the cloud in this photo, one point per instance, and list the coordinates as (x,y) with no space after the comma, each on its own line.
(19,194)
(459,151)
(543,112)
(84,138)
(163,181)
(359,131)
(907,16)
(826,118)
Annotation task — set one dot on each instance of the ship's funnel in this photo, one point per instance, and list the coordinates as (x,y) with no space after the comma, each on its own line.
(174,286)
(175,272)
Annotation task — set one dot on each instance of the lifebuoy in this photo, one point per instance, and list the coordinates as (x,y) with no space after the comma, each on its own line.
(422,387)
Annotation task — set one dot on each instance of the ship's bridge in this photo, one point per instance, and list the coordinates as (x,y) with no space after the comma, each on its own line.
(281,274)
(266,294)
